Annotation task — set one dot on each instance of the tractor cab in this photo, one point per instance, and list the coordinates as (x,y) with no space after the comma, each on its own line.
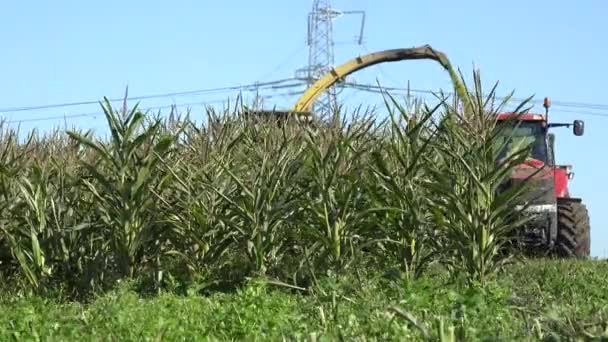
(531,129)
(519,130)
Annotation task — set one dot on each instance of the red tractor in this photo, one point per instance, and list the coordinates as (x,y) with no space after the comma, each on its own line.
(560,222)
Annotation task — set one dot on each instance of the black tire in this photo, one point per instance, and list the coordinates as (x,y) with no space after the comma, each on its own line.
(573,231)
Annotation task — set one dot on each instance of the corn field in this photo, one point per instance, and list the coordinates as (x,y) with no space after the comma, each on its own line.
(177,203)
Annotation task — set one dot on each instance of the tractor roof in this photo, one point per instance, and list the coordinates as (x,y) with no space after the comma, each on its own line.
(522,117)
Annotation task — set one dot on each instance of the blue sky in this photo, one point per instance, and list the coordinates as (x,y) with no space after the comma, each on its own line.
(71,51)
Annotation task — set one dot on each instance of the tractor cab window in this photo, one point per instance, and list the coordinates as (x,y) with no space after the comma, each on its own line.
(515,135)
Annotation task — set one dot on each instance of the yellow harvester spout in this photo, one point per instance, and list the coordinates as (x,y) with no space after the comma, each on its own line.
(305,102)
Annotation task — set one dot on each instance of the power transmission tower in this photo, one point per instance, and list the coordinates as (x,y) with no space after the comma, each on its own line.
(321,50)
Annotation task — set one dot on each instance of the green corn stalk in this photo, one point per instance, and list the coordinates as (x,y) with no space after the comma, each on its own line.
(477,223)
(35,222)
(75,248)
(262,198)
(401,170)
(200,237)
(23,209)
(335,209)
(125,181)
(445,334)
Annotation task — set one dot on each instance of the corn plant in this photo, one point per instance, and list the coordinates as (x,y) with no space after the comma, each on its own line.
(76,247)
(169,195)
(33,221)
(20,241)
(336,206)
(477,221)
(261,198)
(37,224)
(126,180)
(401,174)
(196,202)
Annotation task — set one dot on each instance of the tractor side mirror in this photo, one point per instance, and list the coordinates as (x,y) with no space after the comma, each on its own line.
(579,127)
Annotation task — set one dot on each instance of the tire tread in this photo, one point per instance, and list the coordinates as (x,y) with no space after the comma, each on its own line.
(573,239)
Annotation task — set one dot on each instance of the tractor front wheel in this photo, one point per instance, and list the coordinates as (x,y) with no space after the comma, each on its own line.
(573,231)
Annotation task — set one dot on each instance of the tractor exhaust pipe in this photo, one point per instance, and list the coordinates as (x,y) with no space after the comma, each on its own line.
(547,104)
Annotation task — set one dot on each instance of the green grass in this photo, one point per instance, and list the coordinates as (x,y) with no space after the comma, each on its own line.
(541,300)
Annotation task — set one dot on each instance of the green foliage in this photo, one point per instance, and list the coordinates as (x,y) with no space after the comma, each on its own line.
(335,211)
(262,200)
(192,207)
(476,220)
(544,300)
(279,225)
(400,191)
(126,182)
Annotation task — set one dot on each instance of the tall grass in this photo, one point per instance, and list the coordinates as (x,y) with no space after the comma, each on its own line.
(179,202)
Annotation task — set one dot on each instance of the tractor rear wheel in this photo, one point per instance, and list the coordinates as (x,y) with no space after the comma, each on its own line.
(573,231)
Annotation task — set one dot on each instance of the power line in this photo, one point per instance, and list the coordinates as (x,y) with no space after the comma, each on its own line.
(602,115)
(93,114)
(279,84)
(382,89)
(268,85)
